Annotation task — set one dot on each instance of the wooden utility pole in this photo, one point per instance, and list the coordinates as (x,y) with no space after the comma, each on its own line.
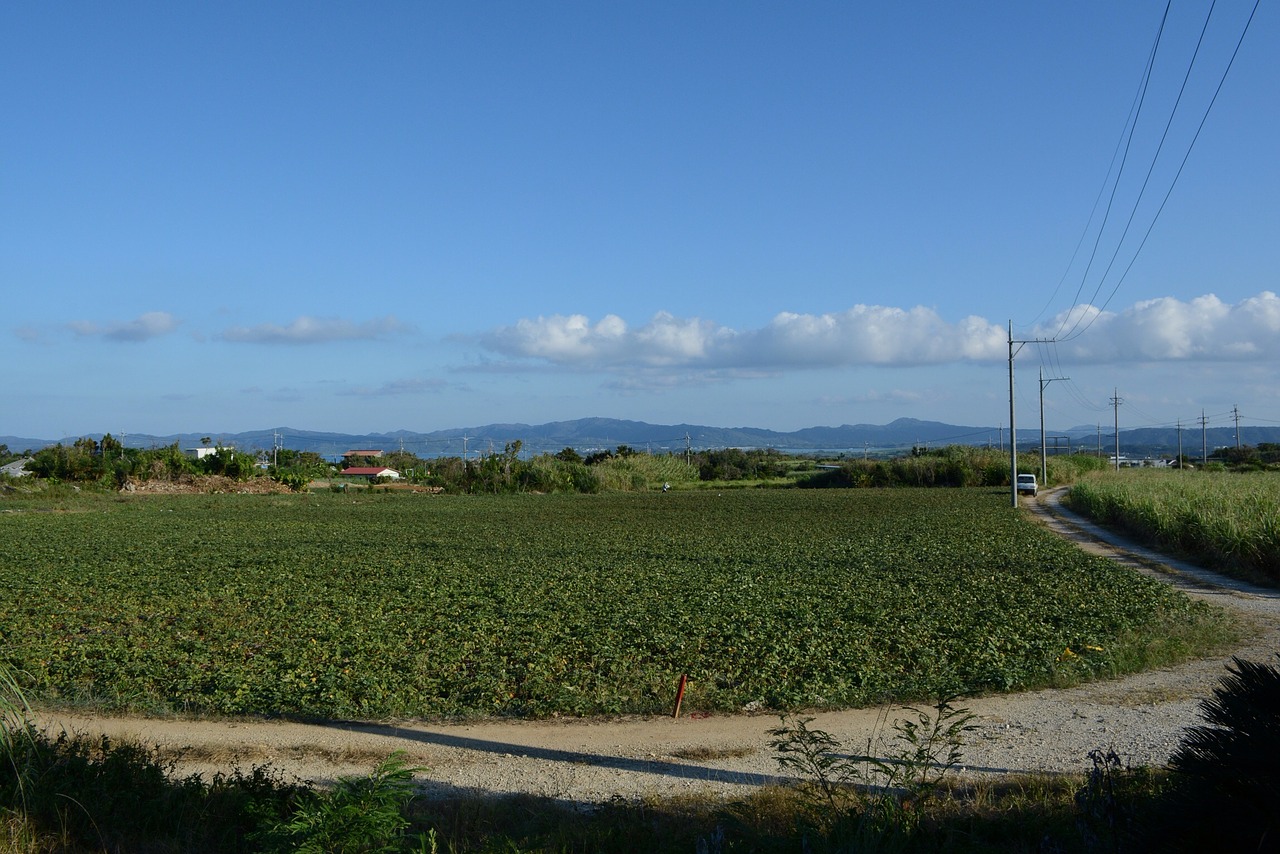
(1204,441)
(1044,459)
(1013,415)
(1115,403)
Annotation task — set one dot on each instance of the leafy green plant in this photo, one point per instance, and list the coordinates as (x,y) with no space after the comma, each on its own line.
(15,731)
(13,704)
(294,481)
(361,814)
(1109,803)
(100,794)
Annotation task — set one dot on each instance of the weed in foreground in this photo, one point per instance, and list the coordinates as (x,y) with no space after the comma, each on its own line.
(15,733)
(931,747)
(1112,805)
(812,754)
(361,814)
(870,801)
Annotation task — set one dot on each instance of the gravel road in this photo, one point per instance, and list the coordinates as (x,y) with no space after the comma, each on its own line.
(1142,717)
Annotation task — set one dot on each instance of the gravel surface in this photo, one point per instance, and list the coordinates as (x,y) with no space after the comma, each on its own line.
(1141,717)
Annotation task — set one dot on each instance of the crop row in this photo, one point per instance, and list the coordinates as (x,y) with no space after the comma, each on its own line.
(399,605)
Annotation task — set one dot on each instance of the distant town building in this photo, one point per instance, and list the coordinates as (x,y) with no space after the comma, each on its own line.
(371,472)
(17,468)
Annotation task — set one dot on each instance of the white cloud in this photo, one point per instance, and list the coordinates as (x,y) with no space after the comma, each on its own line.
(153,324)
(1168,329)
(862,335)
(315,330)
(1158,330)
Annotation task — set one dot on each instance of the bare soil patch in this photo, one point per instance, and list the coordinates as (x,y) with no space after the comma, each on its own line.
(190,484)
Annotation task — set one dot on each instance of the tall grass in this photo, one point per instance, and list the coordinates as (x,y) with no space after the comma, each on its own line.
(638,472)
(1228,521)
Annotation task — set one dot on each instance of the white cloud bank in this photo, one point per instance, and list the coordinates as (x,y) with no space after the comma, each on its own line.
(315,330)
(152,324)
(1165,329)
(1170,330)
(870,335)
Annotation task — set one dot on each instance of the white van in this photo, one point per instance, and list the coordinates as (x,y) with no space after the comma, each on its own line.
(1027,483)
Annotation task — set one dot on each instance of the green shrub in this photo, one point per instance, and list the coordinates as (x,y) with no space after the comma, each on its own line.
(292,480)
(361,814)
(96,794)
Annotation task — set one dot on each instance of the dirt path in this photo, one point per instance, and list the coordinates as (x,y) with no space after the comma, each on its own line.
(1141,717)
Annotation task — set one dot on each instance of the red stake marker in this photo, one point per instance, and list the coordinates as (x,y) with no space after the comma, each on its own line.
(680,695)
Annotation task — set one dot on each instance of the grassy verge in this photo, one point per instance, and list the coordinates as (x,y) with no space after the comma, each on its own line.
(99,796)
(71,794)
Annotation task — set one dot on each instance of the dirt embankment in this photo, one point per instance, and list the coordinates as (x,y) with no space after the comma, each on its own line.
(204,484)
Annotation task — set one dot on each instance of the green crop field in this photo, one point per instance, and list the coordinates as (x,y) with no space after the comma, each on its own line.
(399,605)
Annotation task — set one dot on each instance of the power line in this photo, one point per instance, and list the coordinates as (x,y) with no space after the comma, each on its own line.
(1154,157)
(1178,174)
(1127,136)
(1084,233)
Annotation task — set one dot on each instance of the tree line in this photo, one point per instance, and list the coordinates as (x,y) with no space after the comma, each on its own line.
(621,468)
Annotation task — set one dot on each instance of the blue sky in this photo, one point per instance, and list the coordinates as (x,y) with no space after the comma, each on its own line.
(380,216)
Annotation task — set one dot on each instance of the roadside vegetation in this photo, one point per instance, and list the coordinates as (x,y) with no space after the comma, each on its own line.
(72,794)
(1229,521)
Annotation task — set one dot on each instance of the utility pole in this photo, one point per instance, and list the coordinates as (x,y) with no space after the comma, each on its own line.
(1013,428)
(1235,410)
(1099,440)
(1179,443)
(688,451)
(1204,442)
(1044,459)
(1115,403)
(1013,416)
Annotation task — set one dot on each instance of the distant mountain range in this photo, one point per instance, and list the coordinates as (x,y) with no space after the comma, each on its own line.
(588,434)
